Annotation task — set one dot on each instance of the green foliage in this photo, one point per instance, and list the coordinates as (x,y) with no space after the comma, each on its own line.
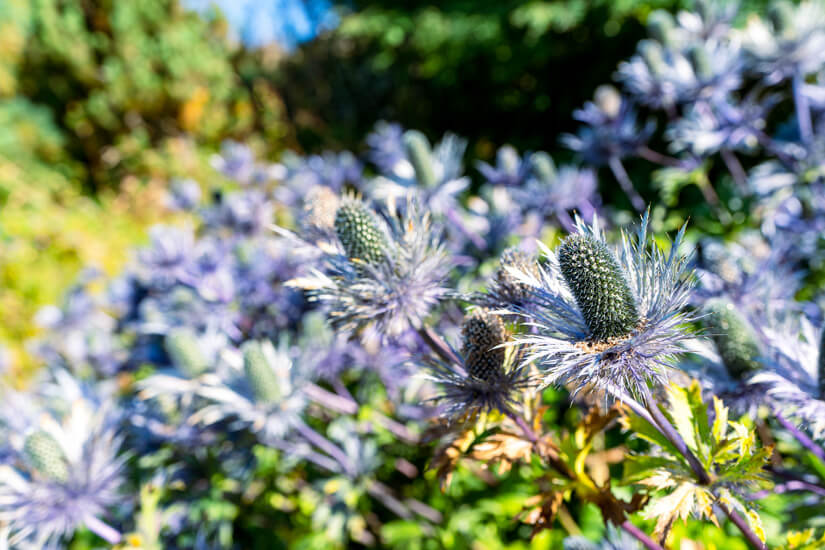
(357,229)
(120,78)
(727,450)
(482,69)
(594,276)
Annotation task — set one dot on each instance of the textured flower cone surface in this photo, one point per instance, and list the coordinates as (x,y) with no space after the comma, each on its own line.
(733,337)
(183,349)
(45,455)
(599,286)
(259,372)
(509,286)
(357,229)
(481,333)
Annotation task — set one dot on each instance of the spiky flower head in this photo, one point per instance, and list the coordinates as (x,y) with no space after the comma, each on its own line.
(607,318)
(794,371)
(482,335)
(485,375)
(359,231)
(67,474)
(257,367)
(391,276)
(184,350)
(734,338)
(506,288)
(596,280)
(420,155)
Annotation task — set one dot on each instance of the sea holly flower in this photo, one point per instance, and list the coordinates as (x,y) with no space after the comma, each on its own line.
(729,366)
(727,450)
(607,318)
(386,149)
(795,373)
(387,274)
(790,41)
(552,193)
(750,274)
(484,376)
(510,169)
(507,289)
(67,475)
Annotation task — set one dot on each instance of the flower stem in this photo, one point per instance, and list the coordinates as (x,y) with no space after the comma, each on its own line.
(735,168)
(624,182)
(102,529)
(640,535)
(438,345)
(800,436)
(656,157)
(702,476)
(326,445)
(667,429)
(803,110)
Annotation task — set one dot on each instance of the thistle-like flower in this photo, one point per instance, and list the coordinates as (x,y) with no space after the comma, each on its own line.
(610,130)
(604,318)
(66,476)
(387,275)
(552,193)
(728,365)
(507,289)
(510,169)
(485,375)
(795,377)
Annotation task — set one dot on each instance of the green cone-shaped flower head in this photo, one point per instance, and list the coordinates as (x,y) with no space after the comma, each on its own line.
(184,350)
(481,333)
(508,286)
(420,155)
(661,26)
(45,455)
(260,374)
(359,232)
(598,284)
(734,338)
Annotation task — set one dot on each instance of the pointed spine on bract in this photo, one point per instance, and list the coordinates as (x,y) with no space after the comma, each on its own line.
(44,454)
(260,374)
(598,284)
(420,156)
(357,227)
(482,333)
(320,207)
(734,338)
(184,350)
(508,286)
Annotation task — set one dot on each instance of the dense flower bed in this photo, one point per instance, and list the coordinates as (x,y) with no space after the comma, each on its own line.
(288,364)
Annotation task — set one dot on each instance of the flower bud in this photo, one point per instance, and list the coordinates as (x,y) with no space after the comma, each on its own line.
(734,338)
(358,230)
(184,351)
(481,333)
(45,455)
(508,286)
(598,284)
(420,155)
(260,374)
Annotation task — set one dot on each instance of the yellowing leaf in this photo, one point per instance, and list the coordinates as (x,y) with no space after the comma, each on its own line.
(681,413)
(720,423)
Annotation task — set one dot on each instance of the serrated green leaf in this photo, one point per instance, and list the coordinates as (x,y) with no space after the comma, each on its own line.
(681,414)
